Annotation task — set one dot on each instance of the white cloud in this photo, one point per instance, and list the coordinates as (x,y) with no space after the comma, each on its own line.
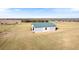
(17,9)
(4,9)
(75,9)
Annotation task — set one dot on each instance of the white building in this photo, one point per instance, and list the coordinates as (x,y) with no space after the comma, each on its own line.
(43,27)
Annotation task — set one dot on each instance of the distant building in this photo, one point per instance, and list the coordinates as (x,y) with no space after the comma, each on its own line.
(10,21)
(43,27)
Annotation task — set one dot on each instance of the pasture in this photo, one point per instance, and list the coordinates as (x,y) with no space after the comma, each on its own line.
(20,37)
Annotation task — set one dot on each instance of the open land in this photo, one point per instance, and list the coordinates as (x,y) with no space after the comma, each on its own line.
(20,37)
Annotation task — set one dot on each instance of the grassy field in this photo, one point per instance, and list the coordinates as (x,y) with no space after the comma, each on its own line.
(20,37)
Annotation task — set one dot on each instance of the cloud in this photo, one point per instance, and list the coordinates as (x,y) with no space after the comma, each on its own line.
(27,13)
(75,9)
(15,9)
(4,9)
(8,10)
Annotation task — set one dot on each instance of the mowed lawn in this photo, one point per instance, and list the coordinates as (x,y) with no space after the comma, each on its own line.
(20,37)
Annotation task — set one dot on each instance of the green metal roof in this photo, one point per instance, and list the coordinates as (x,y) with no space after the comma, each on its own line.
(43,24)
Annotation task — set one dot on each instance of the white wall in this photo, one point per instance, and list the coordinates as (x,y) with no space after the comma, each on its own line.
(51,28)
(43,29)
(38,30)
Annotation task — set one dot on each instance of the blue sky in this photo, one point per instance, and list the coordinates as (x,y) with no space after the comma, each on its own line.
(39,12)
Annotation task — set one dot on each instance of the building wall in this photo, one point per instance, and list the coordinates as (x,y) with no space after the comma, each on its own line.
(43,29)
(10,21)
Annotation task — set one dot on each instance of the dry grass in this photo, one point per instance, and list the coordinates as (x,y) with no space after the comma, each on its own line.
(20,37)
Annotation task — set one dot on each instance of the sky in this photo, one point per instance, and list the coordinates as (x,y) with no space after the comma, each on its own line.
(39,12)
